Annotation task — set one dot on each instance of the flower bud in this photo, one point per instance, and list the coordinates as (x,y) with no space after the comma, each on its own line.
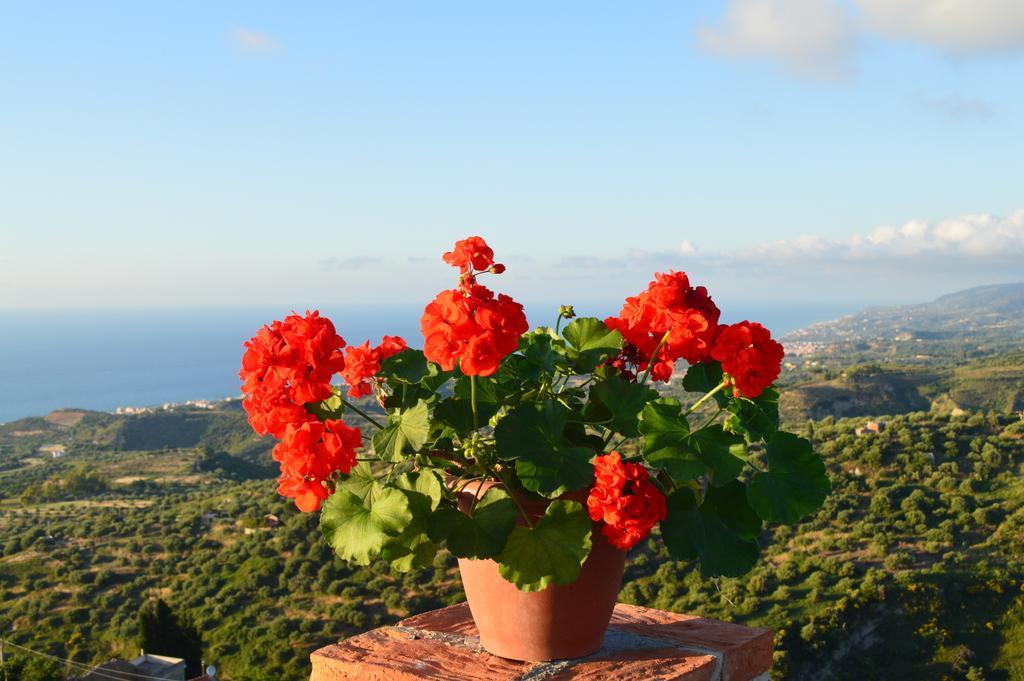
(566,311)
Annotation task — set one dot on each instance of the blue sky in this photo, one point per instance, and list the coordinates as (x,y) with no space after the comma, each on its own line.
(241,153)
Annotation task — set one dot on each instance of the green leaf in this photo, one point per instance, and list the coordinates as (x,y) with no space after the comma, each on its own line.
(357,529)
(542,354)
(331,408)
(406,366)
(458,414)
(576,435)
(795,483)
(670,446)
(551,474)
(360,482)
(412,548)
(488,390)
(530,428)
(407,431)
(590,343)
(481,535)
(531,434)
(758,419)
(405,396)
(729,505)
(703,378)
(679,463)
(412,553)
(435,378)
(620,401)
(666,440)
(552,552)
(424,482)
(720,532)
(724,453)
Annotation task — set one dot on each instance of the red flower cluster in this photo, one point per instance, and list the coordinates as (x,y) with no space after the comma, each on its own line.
(469,325)
(310,452)
(750,358)
(670,306)
(627,516)
(362,362)
(285,366)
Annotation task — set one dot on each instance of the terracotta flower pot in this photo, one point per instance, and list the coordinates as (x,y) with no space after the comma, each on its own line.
(562,621)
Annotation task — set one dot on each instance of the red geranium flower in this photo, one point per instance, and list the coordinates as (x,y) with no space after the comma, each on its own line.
(624,500)
(469,325)
(286,365)
(310,453)
(362,362)
(750,358)
(270,411)
(471,253)
(669,306)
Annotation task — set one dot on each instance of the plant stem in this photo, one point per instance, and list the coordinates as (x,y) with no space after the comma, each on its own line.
(664,478)
(544,388)
(476,497)
(361,413)
(756,468)
(461,483)
(569,376)
(619,444)
(654,355)
(515,500)
(472,402)
(704,399)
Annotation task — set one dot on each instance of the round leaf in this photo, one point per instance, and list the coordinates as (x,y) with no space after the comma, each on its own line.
(590,343)
(795,483)
(552,552)
(719,532)
(357,529)
(481,535)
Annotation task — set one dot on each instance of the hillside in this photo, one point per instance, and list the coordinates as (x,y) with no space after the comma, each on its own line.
(914,559)
(961,351)
(977,322)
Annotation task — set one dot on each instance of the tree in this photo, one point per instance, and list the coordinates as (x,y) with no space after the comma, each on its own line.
(162,632)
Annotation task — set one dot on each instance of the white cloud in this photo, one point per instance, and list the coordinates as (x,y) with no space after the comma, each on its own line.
(818,38)
(956,26)
(973,236)
(810,38)
(686,247)
(253,41)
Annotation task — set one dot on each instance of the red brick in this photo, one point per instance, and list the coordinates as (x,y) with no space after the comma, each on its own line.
(442,644)
(455,619)
(393,655)
(746,651)
(655,664)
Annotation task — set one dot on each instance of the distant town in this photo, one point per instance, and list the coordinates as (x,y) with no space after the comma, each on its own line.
(171,406)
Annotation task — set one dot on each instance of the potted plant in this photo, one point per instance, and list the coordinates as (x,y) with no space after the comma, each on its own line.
(537,457)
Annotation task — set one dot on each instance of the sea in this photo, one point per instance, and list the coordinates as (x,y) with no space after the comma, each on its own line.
(102,359)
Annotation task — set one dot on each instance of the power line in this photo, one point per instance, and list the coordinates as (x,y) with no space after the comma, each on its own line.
(78,666)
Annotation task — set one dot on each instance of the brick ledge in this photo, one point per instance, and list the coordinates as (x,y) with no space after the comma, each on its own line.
(641,644)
